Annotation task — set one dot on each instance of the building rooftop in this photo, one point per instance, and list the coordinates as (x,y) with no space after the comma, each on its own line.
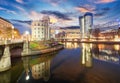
(88,13)
(5,20)
(71,27)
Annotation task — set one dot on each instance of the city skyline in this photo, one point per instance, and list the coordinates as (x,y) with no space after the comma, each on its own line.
(62,13)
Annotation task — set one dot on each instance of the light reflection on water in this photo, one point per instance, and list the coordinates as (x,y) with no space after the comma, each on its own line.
(77,63)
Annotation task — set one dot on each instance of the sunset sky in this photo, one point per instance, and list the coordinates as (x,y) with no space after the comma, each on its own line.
(62,12)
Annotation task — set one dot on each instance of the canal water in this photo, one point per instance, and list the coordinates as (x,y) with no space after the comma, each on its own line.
(76,63)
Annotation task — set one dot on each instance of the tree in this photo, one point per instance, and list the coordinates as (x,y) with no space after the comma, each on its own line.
(96,33)
(119,32)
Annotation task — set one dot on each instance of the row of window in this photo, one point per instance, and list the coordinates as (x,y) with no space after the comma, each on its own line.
(38,32)
(38,28)
(73,33)
(38,35)
(46,24)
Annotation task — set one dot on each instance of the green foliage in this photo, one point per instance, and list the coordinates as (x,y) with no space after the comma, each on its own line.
(37,45)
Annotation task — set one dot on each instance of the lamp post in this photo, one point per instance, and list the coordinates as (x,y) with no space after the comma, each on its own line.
(27,35)
(12,32)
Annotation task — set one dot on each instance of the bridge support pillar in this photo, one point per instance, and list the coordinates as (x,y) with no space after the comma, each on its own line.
(5,61)
(26,50)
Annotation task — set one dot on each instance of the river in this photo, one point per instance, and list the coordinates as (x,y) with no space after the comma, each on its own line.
(76,63)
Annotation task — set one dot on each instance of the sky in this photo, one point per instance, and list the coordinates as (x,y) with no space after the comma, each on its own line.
(62,13)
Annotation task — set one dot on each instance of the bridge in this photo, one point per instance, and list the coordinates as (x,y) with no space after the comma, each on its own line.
(68,40)
(110,29)
(6,46)
(111,25)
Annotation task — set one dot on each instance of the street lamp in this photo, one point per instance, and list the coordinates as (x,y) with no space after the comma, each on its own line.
(12,32)
(27,34)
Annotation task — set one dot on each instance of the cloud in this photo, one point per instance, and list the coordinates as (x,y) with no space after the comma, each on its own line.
(104,1)
(100,14)
(55,2)
(81,9)
(33,15)
(19,8)
(64,23)
(106,9)
(21,21)
(85,8)
(24,12)
(22,26)
(57,14)
(7,10)
(20,1)
(4,2)
(102,11)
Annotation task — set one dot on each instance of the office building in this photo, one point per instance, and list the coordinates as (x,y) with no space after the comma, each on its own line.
(86,25)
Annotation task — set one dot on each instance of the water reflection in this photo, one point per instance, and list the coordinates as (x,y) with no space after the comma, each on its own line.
(36,68)
(26,67)
(86,55)
(103,52)
(41,70)
(108,53)
(77,63)
(70,45)
(5,77)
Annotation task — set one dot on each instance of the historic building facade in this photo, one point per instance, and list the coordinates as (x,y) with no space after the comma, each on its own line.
(40,29)
(5,23)
(7,30)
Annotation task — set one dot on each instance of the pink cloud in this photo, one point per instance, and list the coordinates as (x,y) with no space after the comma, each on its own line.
(55,2)
(20,1)
(86,8)
(104,1)
(35,15)
(81,9)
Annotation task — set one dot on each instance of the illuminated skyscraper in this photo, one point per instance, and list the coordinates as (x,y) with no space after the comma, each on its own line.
(86,24)
(81,22)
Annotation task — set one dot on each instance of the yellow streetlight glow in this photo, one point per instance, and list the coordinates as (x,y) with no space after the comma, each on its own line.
(53,20)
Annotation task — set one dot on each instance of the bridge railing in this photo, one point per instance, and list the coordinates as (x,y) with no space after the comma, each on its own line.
(3,42)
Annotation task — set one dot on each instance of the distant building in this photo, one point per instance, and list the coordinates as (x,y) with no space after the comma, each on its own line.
(7,30)
(86,24)
(81,22)
(40,29)
(69,34)
(5,23)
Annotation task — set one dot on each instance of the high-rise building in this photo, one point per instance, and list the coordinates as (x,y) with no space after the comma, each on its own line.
(81,22)
(40,29)
(86,24)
